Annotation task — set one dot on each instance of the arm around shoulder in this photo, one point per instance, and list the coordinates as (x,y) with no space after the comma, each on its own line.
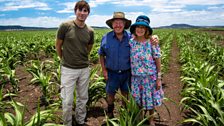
(154,39)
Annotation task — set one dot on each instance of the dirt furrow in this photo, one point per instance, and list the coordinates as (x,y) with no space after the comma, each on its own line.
(169,112)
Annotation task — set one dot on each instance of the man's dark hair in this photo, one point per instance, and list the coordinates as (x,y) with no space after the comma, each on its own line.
(82,4)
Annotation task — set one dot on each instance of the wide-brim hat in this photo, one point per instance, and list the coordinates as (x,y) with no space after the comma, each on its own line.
(119,15)
(141,21)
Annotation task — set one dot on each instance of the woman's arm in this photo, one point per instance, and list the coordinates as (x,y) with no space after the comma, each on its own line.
(158,68)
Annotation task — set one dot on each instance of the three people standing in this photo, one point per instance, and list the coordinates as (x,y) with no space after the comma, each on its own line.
(120,56)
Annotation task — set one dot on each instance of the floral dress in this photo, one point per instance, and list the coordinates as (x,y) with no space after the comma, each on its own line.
(144,74)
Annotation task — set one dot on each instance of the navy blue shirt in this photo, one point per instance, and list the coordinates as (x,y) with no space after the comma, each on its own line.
(116,52)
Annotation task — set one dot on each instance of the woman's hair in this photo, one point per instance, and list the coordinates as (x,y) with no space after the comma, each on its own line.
(82,4)
(147,33)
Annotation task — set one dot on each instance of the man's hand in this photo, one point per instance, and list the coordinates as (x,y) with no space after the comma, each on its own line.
(154,39)
(58,46)
(105,74)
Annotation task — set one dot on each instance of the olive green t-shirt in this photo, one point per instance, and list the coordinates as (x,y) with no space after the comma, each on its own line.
(75,42)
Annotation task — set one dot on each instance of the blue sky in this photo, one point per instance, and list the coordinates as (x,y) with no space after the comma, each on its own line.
(50,13)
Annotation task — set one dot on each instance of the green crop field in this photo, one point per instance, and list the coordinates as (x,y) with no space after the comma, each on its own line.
(33,52)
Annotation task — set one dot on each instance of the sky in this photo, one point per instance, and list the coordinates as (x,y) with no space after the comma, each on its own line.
(51,13)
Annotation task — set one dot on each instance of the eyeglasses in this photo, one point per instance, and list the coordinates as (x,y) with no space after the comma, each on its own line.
(142,20)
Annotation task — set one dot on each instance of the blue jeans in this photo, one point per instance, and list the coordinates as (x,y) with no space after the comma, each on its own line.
(118,80)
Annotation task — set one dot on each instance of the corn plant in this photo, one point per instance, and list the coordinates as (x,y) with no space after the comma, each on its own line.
(42,77)
(201,93)
(57,73)
(8,63)
(9,77)
(165,44)
(41,117)
(96,87)
(206,106)
(3,103)
(94,57)
(129,115)
(17,119)
(38,119)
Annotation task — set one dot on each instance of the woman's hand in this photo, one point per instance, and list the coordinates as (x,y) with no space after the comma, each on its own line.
(158,83)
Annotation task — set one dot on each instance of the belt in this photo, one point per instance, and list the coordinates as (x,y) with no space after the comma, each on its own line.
(118,71)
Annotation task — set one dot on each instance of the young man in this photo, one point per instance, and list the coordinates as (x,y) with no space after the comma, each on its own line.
(73,44)
(115,58)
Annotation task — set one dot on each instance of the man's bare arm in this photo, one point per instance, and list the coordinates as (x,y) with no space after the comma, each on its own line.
(102,62)
(58,46)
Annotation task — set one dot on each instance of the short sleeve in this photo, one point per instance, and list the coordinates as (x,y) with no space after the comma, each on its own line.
(156,52)
(102,45)
(91,32)
(62,31)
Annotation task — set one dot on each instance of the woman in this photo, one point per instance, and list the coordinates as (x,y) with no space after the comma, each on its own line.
(145,67)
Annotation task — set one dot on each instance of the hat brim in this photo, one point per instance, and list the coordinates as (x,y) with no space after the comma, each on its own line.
(132,28)
(127,24)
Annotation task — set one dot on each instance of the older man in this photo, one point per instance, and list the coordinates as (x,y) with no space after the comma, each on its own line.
(115,58)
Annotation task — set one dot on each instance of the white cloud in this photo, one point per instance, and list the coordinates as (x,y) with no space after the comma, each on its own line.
(164,8)
(95,3)
(93,20)
(43,8)
(36,22)
(100,20)
(97,20)
(154,2)
(197,2)
(201,18)
(69,7)
(162,12)
(18,4)
(5,0)
(198,18)
(132,2)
